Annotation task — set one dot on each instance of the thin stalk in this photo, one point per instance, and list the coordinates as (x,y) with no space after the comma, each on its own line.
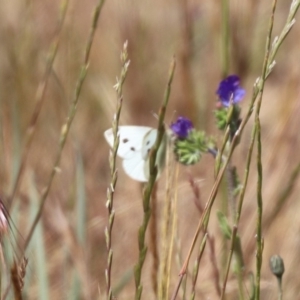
(154,241)
(233,236)
(174,229)
(280,292)
(196,267)
(149,187)
(168,225)
(259,241)
(39,99)
(113,171)
(177,286)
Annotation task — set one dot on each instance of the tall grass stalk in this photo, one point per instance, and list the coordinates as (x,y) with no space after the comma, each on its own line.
(113,170)
(40,99)
(196,266)
(153,240)
(168,226)
(66,127)
(257,128)
(232,246)
(149,187)
(174,231)
(211,243)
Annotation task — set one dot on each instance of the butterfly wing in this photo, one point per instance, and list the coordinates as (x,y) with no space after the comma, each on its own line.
(149,142)
(131,140)
(135,168)
(135,145)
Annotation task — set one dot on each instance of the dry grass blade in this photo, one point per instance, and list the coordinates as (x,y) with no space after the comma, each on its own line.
(168,228)
(17,276)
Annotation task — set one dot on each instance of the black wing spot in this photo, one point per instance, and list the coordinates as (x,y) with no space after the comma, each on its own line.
(125,141)
(148,142)
(132,148)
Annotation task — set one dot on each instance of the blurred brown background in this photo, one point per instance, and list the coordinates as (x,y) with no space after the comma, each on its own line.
(155,30)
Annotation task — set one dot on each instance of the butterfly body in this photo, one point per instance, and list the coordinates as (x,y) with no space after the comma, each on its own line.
(135,145)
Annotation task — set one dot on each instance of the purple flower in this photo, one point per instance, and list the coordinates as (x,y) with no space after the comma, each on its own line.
(182,127)
(229,90)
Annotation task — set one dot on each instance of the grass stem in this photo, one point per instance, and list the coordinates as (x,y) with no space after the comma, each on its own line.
(149,187)
(113,171)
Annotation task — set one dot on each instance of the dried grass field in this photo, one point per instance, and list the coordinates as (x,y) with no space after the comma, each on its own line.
(59,61)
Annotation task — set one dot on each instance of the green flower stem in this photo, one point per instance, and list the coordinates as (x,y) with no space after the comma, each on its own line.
(149,187)
(232,114)
(237,249)
(280,292)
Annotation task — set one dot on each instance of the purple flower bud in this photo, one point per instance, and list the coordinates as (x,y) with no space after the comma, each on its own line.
(229,90)
(182,127)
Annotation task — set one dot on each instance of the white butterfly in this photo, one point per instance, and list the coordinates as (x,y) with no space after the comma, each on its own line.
(134,147)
